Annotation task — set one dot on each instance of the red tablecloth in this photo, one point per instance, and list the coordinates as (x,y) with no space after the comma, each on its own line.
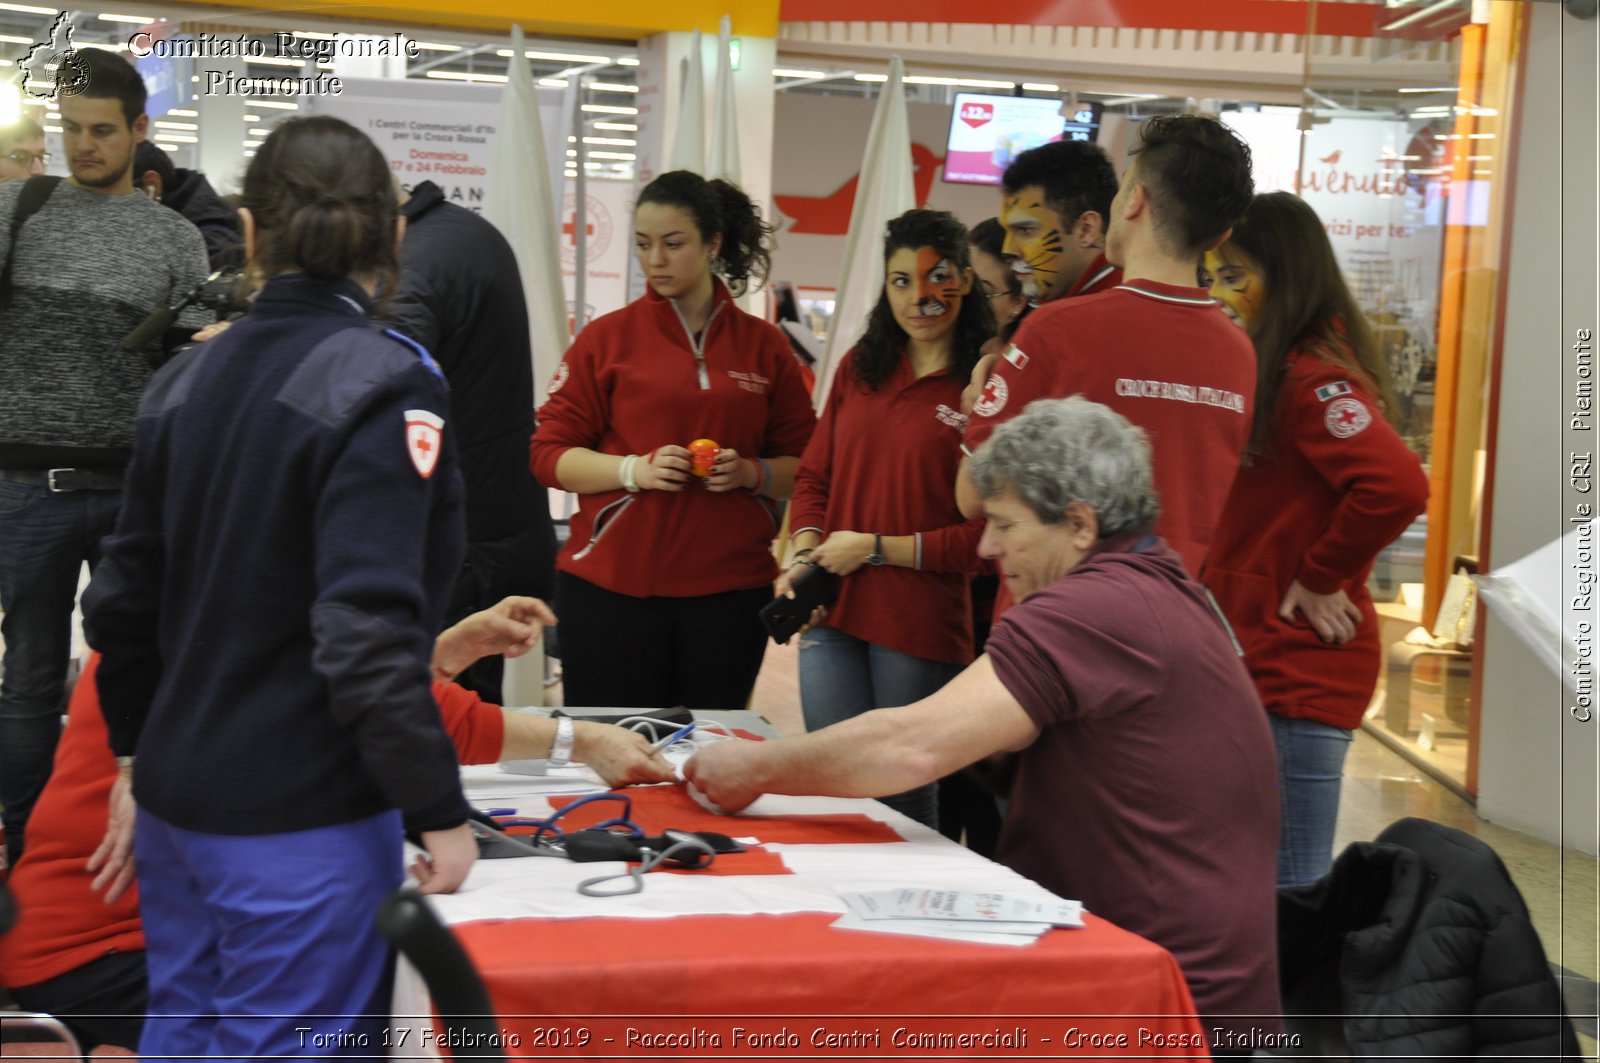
(793,987)
(1116,994)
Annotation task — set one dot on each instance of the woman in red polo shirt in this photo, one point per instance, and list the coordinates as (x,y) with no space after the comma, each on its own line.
(874,499)
(1325,484)
(660,585)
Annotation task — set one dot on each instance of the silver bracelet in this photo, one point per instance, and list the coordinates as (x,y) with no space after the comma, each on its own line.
(625,473)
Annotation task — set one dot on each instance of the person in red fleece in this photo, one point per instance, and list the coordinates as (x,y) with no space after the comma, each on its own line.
(660,585)
(885,517)
(1326,484)
(1155,348)
(82,959)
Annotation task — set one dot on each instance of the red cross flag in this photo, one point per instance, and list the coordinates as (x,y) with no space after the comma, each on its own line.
(424,433)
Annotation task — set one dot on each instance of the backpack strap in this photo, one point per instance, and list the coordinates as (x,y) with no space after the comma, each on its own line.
(34,193)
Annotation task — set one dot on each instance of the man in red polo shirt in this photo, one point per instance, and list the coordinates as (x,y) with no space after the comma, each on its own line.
(1155,348)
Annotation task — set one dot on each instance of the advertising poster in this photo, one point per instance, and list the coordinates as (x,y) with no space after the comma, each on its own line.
(1377,184)
(987,132)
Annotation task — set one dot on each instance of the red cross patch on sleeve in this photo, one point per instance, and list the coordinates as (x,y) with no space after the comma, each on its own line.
(424,436)
(1346,417)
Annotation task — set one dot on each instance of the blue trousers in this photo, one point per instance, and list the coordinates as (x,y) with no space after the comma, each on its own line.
(45,538)
(267,945)
(1310,773)
(842,676)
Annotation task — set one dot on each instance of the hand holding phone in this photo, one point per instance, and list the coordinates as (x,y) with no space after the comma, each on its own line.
(783,616)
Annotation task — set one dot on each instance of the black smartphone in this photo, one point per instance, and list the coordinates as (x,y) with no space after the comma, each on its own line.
(783,616)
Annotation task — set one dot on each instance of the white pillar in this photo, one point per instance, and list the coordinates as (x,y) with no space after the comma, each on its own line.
(1536,762)
(221,122)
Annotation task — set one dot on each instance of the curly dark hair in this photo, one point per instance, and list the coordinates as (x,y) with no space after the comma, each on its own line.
(879,349)
(1197,171)
(719,207)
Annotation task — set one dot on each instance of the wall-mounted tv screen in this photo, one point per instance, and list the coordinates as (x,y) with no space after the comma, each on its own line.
(987,132)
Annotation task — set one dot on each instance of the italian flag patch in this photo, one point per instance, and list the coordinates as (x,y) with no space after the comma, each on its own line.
(1333,391)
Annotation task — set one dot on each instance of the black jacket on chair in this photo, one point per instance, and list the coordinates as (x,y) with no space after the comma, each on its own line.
(1423,943)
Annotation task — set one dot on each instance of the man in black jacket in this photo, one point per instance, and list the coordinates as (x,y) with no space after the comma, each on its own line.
(460,296)
(190,194)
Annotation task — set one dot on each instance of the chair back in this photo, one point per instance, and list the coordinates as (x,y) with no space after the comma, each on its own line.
(30,1027)
(458,992)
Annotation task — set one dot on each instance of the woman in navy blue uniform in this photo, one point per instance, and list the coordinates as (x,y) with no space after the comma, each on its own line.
(266,611)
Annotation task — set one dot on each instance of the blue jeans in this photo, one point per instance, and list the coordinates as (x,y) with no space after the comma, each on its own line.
(45,537)
(842,677)
(1310,771)
(267,945)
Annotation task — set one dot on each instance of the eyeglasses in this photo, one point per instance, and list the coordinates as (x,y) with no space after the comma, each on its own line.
(26,158)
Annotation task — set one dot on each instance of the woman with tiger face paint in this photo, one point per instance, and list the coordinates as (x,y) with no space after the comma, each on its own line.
(1325,484)
(874,500)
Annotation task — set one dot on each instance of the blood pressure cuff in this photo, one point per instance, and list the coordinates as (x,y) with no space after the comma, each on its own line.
(589,846)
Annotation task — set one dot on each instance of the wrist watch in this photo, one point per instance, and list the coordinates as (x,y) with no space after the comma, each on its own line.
(876,558)
(561,748)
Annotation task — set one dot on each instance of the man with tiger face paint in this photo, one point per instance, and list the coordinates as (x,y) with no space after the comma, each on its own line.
(1054,204)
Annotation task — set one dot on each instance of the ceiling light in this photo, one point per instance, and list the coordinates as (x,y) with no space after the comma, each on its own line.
(557,57)
(613,155)
(180,112)
(605,108)
(174,125)
(313,35)
(1418,16)
(1122,97)
(180,138)
(1030,86)
(6,38)
(272,60)
(971,83)
(138,20)
(275,104)
(787,73)
(627,60)
(1437,88)
(25,9)
(429,46)
(620,127)
(606,86)
(452,75)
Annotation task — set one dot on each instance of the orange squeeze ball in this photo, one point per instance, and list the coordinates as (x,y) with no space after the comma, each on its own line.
(705,455)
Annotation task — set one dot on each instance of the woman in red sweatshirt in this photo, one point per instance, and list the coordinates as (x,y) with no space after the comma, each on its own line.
(875,501)
(1325,485)
(660,585)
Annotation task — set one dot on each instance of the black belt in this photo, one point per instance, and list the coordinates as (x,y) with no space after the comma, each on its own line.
(59,480)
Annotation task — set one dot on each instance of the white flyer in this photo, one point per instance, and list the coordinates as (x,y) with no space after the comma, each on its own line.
(962,905)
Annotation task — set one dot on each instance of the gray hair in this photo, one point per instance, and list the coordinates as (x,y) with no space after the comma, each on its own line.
(1060,451)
